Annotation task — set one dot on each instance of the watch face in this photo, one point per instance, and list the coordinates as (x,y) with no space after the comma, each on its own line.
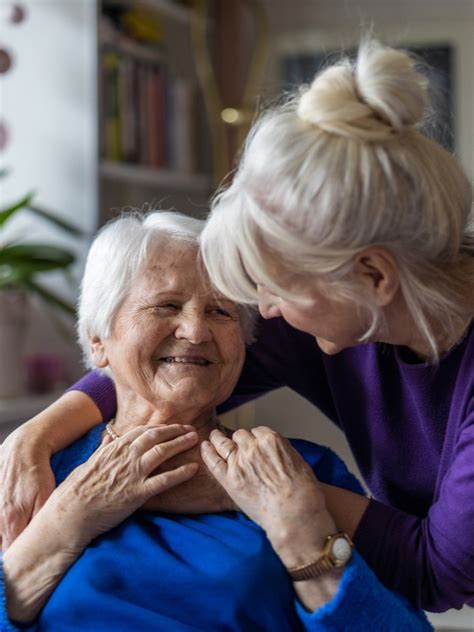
(341,550)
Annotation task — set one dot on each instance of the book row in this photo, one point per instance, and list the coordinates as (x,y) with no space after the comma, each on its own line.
(148,116)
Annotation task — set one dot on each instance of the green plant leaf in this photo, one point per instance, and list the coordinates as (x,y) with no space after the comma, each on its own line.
(43,256)
(57,221)
(6,213)
(51,297)
(11,276)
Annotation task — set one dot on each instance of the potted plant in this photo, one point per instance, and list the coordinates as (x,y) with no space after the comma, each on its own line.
(21,264)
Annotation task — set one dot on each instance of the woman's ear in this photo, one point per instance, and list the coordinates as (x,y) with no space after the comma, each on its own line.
(376,267)
(98,352)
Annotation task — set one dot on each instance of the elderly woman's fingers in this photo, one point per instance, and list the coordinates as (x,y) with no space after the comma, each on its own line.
(165,480)
(243,437)
(131,435)
(268,437)
(154,435)
(213,461)
(158,453)
(222,444)
(106,439)
(263,431)
(273,444)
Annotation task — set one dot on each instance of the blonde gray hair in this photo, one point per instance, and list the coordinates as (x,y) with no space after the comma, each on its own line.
(341,166)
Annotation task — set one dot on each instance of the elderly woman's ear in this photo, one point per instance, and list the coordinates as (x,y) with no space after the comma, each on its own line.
(98,352)
(377,270)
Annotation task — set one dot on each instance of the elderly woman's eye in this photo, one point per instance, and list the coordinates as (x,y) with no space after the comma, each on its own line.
(169,307)
(219,311)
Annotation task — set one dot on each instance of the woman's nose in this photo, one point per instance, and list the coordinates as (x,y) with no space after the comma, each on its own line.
(268,304)
(194,327)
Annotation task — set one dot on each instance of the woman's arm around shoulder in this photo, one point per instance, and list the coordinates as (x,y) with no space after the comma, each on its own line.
(25,472)
(117,479)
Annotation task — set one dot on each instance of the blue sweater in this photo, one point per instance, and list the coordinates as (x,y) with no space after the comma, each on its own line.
(182,573)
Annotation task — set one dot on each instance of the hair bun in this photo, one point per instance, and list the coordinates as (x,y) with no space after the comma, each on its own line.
(388,81)
(378,95)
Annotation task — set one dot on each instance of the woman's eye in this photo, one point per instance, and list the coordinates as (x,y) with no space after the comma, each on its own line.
(218,311)
(168,307)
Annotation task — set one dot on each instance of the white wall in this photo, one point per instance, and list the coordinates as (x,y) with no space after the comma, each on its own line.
(48,100)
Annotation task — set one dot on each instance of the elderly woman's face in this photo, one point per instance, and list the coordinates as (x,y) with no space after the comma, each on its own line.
(173,340)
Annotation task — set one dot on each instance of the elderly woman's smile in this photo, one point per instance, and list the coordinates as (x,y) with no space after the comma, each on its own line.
(197,360)
(174,345)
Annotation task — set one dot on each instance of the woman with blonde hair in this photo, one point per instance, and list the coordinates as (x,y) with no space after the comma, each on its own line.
(354,233)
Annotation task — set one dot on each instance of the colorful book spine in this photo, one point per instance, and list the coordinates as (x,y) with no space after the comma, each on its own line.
(111,124)
(148,115)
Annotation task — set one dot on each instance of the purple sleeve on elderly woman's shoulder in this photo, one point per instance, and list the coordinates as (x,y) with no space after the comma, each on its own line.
(101,389)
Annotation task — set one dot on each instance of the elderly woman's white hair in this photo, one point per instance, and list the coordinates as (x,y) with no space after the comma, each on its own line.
(339,167)
(117,255)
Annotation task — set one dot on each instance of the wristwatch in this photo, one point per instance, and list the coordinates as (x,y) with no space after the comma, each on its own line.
(337,551)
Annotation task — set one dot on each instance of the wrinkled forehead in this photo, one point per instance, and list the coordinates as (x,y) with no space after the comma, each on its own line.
(175,267)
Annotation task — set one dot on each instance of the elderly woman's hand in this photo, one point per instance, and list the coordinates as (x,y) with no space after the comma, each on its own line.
(27,482)
(274,486)
(119,478)
(115,481)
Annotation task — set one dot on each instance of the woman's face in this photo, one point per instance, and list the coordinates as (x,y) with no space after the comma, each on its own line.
(335,324)
(173,340)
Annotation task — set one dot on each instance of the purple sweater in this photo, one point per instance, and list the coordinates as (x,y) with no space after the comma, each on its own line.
(411,430)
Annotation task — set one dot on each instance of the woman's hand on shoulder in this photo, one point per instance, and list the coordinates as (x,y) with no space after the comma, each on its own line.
(119,478)
(271,483)
(27,481)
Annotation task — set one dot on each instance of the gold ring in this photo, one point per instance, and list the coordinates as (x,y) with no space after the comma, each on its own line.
(110,431)
(229,452)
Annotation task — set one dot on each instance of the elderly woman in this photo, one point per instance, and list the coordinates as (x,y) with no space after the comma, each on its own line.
(355,235)
(149,318)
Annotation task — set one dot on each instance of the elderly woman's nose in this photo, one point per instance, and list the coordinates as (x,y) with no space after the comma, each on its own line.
(194,327)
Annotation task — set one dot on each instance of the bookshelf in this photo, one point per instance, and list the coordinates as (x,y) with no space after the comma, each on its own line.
(154,147)
(177,12)
(139,174)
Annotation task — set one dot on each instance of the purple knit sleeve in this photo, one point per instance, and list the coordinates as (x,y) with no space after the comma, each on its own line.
(101,389)
(430,559)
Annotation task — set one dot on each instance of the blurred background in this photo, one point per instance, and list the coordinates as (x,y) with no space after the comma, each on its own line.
(108,104)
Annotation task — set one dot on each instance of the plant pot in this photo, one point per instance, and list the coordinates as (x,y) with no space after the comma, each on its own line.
(13,323)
